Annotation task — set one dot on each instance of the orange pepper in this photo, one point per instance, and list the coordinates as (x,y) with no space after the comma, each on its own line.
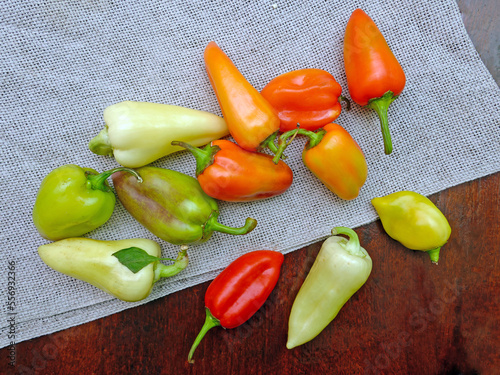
(306,96)
(223,169)
(334,157)
(374,76)
(251,120)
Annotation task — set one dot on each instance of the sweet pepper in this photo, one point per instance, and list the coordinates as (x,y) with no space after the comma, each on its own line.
(104,264)
(251,120)
(414,221)
(340,269)
(72,201)
(236,294)
(138,133)
(374,76)
(333,156)
(310,97)
(172,206)
(223,169)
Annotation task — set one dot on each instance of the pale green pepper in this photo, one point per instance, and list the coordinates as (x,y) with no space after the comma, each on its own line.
(414,221)
(126,269)
(138,133)
(340,269)
(73,201)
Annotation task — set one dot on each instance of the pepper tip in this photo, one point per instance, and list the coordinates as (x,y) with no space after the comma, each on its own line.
(434,255)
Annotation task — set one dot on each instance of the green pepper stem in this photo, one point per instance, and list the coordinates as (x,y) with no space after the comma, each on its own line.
(98,181)
(101,144)
(346,101)
(213,225)
(434,255)
(381,105)
(269,143)
(204,156)
(210,322)
(162,271)
(352,246)
(286,139)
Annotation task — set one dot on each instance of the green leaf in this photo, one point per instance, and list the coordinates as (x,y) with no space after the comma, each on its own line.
(134,258)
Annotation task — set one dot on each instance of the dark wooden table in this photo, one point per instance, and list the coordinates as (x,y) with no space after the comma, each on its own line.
(410,318)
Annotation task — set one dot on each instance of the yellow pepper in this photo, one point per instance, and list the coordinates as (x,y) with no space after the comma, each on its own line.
(340,269)
(126,269)
(138,133)
(414,221)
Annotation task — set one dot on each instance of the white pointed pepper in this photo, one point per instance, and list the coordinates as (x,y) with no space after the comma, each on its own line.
(138,133)
(340,269)
(126,269)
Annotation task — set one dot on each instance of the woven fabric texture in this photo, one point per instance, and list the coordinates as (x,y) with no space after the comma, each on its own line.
(63,62)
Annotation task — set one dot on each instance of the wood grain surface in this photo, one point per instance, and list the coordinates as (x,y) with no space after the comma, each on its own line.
(411,317)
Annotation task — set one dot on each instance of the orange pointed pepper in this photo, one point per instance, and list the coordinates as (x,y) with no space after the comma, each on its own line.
(306,96)
(251,120)
(334,157)
(223,169)
(374,76)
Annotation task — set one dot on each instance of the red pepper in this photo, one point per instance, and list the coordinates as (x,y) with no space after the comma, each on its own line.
(334,157)
(306,96)
(374,76)
(223,169)
(239,291)
(251,120)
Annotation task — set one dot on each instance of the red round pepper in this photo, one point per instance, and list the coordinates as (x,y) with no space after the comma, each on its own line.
(223,169)
(374,76)
(306,96)
(334,157)
(239,291)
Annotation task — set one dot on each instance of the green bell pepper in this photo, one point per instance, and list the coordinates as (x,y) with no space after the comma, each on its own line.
(172,206)
(72,201)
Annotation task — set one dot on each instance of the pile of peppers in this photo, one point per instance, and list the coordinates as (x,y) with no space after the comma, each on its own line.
(182,210)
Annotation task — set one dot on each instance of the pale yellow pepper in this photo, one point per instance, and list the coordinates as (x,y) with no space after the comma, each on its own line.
(414,221)
(95,262)
(340,269)
(138,133)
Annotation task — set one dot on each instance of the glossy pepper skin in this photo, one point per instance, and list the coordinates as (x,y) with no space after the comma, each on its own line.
(223,169)
(72,201)
(138,133)
(92,261)
(334,157)
(239,291)
(414,221)
(340,269)
(172,206)
(374,76)
(309,97)
(251,120)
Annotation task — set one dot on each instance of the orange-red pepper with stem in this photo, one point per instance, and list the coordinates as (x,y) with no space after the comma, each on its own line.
(334,157)
(251,120)
(374,76)
(230,173)
(239,291)
(310,97)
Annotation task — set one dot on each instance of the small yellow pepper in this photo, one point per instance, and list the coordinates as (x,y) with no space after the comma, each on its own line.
(138,133)
(126,269)
(414,221)
(340,269)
